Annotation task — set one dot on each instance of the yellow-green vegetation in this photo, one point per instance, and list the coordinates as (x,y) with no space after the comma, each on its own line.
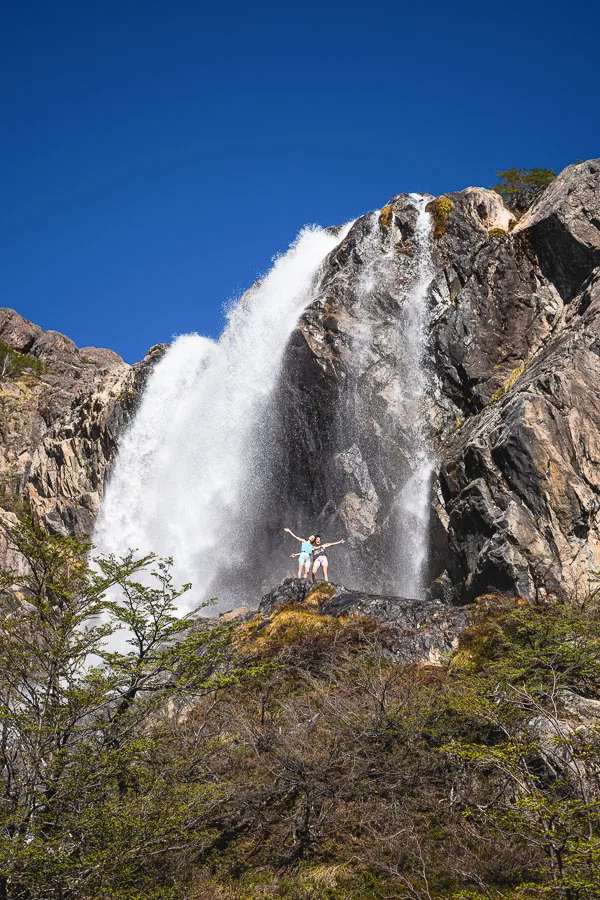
(14,365)
(290,758)
(510,381)
(440,209)
(319,594)
(385,216)
(496,232)
(285,627)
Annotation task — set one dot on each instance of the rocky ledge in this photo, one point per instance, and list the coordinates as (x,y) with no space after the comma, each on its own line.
(412,631)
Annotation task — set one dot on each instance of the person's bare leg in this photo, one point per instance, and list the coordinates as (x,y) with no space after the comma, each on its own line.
(299,570)
(306,571)
(325,567)
(314,572)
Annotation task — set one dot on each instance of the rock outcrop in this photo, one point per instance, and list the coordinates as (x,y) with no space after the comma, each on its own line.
(520,477)
(412,631)
(61,411)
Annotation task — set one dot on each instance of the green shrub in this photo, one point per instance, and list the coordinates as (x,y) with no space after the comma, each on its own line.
(14,365)
(510,381)
(520,187)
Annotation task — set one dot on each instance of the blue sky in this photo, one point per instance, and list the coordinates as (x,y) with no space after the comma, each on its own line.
(155,156)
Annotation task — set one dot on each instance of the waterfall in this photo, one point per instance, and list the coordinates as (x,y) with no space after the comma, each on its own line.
(389,348)
(188,478)
(414,498)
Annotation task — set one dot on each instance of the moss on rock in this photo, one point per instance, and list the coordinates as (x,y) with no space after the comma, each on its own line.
(440,209)
(510,381)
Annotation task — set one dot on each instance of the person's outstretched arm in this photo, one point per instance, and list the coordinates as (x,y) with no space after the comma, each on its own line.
(332,544)
(293,535)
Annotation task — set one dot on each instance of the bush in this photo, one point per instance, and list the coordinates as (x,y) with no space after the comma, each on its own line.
(440,209)
(14,365)
(520,187)
(289,757)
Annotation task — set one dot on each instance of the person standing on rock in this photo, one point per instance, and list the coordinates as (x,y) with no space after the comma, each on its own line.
(305,555)
(320,558)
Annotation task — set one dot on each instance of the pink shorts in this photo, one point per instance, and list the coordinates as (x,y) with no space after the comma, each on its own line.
(320,560)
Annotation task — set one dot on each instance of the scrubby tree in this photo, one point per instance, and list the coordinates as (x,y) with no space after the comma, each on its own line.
(522,678)
(335,772)
(520,187)
(94,789)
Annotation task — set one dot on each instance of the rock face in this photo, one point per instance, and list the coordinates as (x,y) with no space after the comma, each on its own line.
(505,400)
(60,419)
(520,478)
(513,409)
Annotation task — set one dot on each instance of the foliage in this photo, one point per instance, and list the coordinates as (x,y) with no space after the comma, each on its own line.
(440,209)
(14,365)
(288,757)
(520,187)
(93,789)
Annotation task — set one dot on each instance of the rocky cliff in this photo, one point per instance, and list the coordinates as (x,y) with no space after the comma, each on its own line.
(61,410)
(511,415)
(513,406)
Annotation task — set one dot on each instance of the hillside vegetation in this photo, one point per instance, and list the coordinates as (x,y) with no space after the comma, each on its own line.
(287,757)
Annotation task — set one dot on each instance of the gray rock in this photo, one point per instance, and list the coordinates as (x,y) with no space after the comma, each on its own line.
(563,226)
(423,631)
(291,590)
(514,410)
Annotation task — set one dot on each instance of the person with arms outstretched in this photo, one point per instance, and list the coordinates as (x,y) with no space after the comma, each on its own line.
(305,555)
(319,556)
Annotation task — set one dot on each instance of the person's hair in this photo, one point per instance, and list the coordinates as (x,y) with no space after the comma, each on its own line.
(311,538)
(317,536)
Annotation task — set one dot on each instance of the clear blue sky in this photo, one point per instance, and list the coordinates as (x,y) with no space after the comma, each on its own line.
(156,155)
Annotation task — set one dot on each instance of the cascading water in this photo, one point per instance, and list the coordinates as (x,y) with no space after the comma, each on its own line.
(188,478)
(414,498)
(391,336)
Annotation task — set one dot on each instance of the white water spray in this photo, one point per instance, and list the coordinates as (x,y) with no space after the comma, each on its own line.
(414,498)
(190,465)
(391,275)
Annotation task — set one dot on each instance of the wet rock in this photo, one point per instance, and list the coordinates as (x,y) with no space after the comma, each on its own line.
(512,412)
